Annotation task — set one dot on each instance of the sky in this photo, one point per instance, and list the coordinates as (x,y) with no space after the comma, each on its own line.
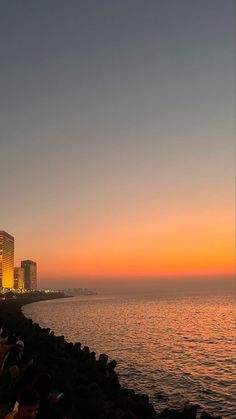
(117,137)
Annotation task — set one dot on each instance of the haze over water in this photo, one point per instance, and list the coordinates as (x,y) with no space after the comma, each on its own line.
(180,347)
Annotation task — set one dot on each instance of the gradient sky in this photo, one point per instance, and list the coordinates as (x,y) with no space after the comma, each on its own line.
(117,136)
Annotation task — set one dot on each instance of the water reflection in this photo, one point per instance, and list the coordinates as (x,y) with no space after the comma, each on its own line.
(183,348)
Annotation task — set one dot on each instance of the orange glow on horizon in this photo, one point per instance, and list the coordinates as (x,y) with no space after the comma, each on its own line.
(149,262)
(173,243)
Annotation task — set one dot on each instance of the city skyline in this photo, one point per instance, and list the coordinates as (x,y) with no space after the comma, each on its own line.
(13,277)
(117,145)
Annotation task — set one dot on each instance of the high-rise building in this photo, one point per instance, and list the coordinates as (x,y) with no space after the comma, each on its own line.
(18,278)
(6,260)
(30,274)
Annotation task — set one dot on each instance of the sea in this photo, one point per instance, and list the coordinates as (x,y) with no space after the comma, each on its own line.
(178,349)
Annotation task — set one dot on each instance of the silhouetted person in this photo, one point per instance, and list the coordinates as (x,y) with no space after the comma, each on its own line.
(27,406)
(48,400)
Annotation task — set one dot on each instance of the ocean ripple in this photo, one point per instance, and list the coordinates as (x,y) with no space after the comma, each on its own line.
(183,348)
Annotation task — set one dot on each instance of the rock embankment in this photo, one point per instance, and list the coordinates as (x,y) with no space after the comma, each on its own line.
(90,385)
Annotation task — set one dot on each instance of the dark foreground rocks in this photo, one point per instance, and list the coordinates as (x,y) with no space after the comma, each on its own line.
(90,385)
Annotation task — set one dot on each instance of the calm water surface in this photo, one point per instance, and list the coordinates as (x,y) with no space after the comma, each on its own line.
(180,347)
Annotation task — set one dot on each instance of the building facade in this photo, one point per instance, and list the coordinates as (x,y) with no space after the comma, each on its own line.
(6,260)
(30,274)
(18,278)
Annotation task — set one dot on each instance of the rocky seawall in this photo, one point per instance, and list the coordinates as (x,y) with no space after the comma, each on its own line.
(89,383)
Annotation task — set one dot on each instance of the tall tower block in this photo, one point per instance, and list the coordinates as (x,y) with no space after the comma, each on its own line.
(6,260)
(30,274)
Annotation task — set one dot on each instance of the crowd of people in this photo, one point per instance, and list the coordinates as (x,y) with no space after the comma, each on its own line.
(24,392)
(44,376)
